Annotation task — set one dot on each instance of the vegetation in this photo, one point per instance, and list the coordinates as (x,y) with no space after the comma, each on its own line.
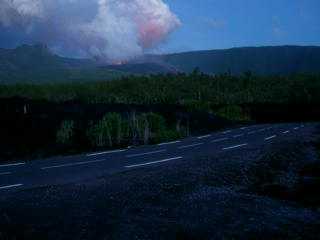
(114,130)
(195,90)
(112,114)
(36,64)
(65,133)
(233,112)
(107,132)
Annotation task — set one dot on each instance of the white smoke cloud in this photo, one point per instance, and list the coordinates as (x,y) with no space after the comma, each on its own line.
(110,29)
(19,11)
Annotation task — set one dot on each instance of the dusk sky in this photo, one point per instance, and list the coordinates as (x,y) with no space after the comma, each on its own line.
(121,29)
(211,24)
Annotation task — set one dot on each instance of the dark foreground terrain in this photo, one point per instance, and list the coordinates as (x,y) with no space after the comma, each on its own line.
(268,189)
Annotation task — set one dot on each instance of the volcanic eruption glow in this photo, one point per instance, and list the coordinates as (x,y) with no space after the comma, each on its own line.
(113,30)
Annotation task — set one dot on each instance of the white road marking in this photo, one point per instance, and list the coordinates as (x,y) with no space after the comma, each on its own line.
(5,173)
(168,143)
(236,146)
(296,128)
(271,137)
(107,152)
(205,136)
(219,140)
(239,135)
(190,146)
(285,132)
(261,130)
(243,128)
(146,153)
(73,164)
(11,186)
(252,132)
(13,164)
(154,162)
(225,132)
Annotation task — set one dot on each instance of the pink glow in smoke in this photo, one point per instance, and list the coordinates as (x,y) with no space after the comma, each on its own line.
(113,30)
(151,34)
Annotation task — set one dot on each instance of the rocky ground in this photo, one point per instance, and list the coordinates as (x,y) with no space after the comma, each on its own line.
(268,193)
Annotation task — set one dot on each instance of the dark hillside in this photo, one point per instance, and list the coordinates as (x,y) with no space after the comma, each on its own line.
(38,65)
(259,60)
(143,68)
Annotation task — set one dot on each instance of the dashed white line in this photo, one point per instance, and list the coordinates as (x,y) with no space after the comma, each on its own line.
(11,186)
(239,135)
(107,152)
(146,153)
(243,128)
(5,173)
(271,137)
(285,132)
(261,130)
(219,140)
(168,143)
(190,146)
(154,162)
(236,146)
(73,164)
(205,136)
(296,128)
(13,164)
(228,131)
(252,132)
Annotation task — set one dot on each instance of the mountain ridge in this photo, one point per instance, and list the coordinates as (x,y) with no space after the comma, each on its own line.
(266,60)
(37,64)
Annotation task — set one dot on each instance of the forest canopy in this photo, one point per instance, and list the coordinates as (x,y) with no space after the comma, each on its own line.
(194,90)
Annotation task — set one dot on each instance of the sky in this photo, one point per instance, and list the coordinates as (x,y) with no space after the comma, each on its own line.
(121,29)
(219,24)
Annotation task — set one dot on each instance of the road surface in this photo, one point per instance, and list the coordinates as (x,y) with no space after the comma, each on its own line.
(62,170)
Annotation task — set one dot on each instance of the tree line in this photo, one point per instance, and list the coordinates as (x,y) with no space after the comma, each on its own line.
(194,90)
(114,130)
(237,98)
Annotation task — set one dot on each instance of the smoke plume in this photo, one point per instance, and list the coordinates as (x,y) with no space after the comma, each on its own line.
(114,30)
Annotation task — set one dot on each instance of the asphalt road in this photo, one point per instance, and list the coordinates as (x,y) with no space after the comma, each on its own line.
(62,170)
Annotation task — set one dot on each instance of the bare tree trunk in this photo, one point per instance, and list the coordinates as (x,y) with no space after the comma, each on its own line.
(188,128)
(146,134)
(134,127)
(25,109)
(119,131)
(178,125)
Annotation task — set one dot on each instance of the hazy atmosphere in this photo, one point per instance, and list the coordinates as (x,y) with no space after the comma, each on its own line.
(159,119)
(111,29)
(214,24)
(119,30)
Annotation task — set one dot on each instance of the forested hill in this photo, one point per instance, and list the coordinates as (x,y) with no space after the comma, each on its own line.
(38,64)
(282,60)
(37,57)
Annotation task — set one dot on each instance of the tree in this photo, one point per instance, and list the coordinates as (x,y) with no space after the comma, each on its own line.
(65,133)
(107,132)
